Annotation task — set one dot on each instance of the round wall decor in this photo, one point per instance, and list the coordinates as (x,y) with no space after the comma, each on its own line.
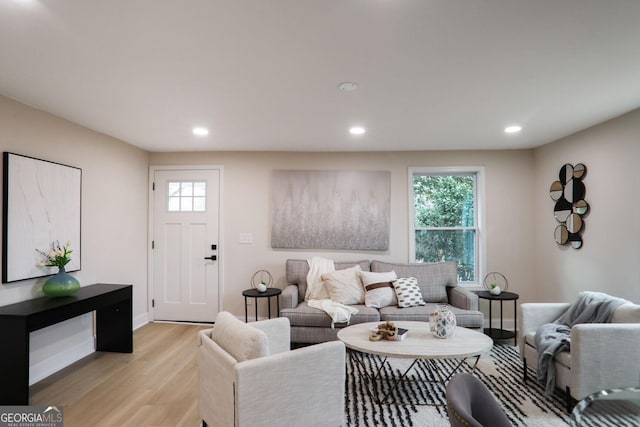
(570,208)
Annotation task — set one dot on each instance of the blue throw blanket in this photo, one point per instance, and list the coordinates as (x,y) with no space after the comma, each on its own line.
(552,338)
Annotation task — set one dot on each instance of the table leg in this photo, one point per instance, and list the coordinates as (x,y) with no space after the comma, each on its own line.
(14,362)
(490,318)
(278,305)
(396,383)
(269,306)
(114,327)
(246,318)
(375,391)
(255,301)
(515,323)
(501,326)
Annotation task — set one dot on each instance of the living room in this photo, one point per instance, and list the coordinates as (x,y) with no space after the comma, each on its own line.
(519,213)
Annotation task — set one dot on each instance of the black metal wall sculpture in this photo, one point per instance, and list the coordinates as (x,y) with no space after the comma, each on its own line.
(570,208)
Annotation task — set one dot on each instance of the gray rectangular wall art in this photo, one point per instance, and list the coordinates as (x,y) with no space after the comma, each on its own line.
(41,206)
(330,209)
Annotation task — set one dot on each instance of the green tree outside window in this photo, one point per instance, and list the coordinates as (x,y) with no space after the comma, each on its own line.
(445,221)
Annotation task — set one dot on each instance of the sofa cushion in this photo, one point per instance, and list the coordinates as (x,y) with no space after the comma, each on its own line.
(626,313)
(296,271)
(239,339)
(345,286)
(379,290)
(564,357)
(464,318)
(433,278)
(408,292)
(303,315)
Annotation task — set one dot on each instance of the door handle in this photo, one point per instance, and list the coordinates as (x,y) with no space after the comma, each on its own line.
(212,257)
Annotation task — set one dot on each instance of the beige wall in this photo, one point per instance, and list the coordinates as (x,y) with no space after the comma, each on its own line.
(519,218)
(114,218)
(609,260)
(246,192)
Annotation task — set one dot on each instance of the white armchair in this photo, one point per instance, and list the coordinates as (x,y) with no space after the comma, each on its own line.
(602,355)
(247,376)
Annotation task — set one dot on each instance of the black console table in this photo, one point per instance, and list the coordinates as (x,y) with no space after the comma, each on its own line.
(113,307)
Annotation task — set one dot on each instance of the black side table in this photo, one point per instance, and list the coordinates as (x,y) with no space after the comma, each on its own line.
(500,333)
(255,294)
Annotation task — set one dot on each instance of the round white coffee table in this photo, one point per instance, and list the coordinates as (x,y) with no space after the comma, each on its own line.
(419,344)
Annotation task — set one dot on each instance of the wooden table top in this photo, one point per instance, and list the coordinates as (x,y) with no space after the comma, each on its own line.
(419,343)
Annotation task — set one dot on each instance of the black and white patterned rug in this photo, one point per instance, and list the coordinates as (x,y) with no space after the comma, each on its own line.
(501,370)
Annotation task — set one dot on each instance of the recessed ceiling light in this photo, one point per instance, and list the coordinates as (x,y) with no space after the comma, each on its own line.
(357,130)
(348,86)
(200,131)
(513,129)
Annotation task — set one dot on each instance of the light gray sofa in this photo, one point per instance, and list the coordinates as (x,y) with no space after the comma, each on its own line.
(602,355)
(438,283)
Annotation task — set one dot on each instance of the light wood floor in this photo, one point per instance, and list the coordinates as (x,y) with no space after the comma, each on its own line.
(156,385)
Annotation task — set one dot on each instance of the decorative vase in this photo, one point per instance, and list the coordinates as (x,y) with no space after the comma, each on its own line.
(444,322)
(496,290)
(61,284)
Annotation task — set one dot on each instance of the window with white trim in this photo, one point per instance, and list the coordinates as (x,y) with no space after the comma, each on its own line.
(444,223)
(186,196)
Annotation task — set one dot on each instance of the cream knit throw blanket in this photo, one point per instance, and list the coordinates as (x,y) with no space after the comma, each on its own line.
(317,296)
(315,285)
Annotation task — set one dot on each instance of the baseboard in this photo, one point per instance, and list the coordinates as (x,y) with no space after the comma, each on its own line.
(60,360)
(140,320)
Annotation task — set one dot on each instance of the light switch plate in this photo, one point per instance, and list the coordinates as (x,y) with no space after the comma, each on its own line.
(246,238)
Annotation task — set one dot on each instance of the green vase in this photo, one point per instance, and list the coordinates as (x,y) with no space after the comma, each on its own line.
(61,284)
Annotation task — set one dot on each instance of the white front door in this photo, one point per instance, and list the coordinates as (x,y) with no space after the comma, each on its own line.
(185,244)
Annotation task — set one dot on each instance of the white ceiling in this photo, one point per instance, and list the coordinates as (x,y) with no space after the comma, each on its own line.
(263,75)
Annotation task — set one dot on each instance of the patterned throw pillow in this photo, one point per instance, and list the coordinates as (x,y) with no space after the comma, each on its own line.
(408,292)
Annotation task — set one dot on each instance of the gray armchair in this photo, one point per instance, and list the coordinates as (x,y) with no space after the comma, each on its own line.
(471,404)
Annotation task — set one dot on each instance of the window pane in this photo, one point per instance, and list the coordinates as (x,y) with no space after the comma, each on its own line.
(187,189)
(199,189)
(185,204)
(199,204)
(443,200)
(174,204)
(173,189)
(449,245)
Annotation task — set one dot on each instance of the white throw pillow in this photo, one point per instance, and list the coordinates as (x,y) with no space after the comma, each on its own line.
(379,290)
(408,292)
(345,286)
(241,341)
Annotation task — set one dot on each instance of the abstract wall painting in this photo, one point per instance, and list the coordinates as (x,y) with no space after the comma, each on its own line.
(41,205)
(341,210)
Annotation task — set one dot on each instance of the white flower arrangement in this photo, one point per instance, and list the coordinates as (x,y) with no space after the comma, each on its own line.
(58,256)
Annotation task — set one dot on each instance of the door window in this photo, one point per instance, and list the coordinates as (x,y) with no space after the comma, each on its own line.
(186,196)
